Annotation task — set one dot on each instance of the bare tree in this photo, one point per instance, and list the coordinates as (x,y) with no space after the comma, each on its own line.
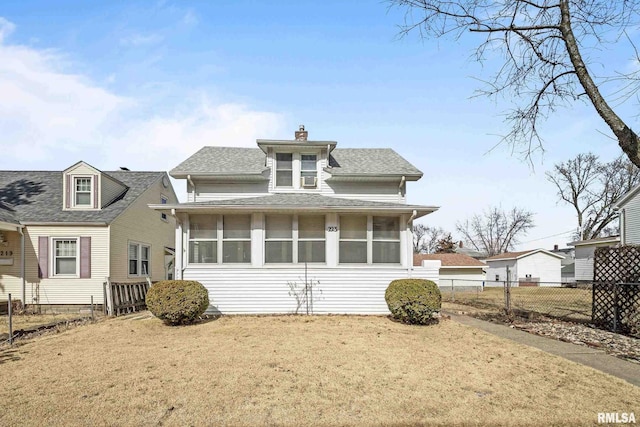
(425,238)
(496,231)
(544,46)
(592,187)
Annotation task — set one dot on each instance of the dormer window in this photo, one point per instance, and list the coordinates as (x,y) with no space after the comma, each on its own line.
(82,186)
(308,170)
(284,169)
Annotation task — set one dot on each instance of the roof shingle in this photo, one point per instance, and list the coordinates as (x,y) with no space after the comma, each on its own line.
(449,260)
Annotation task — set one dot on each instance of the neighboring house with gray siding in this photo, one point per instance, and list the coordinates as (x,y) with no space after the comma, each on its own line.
(629,208)
(63,233)
(585,250)
(258,221)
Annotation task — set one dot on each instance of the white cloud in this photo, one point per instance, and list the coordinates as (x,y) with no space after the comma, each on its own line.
(6,28)
(138,39)
(50,118)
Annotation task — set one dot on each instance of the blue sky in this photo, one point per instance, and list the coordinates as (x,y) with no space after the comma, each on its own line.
(146,84)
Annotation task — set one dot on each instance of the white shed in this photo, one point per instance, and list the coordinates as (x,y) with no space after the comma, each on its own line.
(536,267)
(585,250)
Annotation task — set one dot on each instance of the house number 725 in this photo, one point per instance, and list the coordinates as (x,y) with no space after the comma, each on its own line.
(332,229)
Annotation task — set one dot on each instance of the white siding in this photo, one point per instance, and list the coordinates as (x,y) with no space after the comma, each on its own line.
(141,224)
(584,260)
(265,290)
(499,268)
(466,277)
(10,281)
(632,221)
(542,266)
(206,191)
(372,191)
(57,290)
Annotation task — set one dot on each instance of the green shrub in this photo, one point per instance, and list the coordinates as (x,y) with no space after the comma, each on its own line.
(177,302)
(413,301)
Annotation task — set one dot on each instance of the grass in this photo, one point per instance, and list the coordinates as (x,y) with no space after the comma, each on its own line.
(295,370)
(566,303)
(30,321)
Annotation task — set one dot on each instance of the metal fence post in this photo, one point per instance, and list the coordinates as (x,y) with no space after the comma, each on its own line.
(507,298)
(10,321)
(453,292)
(91,307)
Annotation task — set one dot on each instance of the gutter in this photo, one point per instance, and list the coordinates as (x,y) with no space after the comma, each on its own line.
(410,243)
(22,266)
(176,266)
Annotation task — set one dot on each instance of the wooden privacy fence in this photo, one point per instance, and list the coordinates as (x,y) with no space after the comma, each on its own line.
(616,289)
(123,298)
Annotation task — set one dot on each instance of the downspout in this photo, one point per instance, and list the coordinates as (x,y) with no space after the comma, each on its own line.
(402,181)
(22,267)
(410,242)
(193,186)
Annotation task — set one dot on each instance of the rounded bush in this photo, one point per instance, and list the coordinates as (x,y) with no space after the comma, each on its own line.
(177,302)
(413,301)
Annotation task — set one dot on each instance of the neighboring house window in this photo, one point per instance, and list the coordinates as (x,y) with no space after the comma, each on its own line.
(82,191)
(353,239)
(386,239)
(139,256)
(308,170)
(65,253)
(236,238)
(311,238)
(279,238)
(284,169)
(497,277)
(163,201)
(203,239)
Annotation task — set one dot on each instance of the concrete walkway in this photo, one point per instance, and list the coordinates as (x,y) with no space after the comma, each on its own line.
(597,359)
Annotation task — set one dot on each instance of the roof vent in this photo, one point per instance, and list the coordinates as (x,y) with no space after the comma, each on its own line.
(122,168)
(301,134)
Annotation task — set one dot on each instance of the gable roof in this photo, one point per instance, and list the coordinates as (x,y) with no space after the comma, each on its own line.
(36,196)
(230,161)
(521,254)
(449,260)
(626,198)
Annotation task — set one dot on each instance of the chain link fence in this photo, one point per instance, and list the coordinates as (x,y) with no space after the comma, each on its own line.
(555,300)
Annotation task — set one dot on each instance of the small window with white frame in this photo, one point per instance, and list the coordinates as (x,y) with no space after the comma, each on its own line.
(353,239)
(284,169)
(65,257)
(139,259)
(163,201)
(308,170)
(82,191)
(278,239)
(236,239)
(203,239)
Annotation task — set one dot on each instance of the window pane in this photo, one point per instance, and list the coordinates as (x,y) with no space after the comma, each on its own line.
(83,184)
(133,266)
(83,198)
(353,227)
(353,252)
(311,227)
(203,252)
(65,266)
(311,251)
(145,267)
(236,226)
(145,253)
(133,251)
(386,252)
(203,226)
(279,226)
(66,248)
(278,252)
(236,251)
(284,178)
(284,161)
(308,162)
(386,227)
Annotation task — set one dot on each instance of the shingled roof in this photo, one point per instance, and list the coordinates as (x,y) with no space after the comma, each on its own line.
(36,196)
(449,260)
(7,213)
(251,161)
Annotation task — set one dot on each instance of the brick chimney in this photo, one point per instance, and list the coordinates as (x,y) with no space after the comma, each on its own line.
(301,134)
(555,247)
(461,245)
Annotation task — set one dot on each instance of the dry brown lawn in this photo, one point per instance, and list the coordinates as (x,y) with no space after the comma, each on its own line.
(29,321)
(569,303)
(295,370)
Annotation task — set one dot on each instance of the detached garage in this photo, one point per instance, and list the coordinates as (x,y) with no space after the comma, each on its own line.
(537,267)
(457,270)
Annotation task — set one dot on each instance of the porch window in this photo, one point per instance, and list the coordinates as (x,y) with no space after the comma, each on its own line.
(386,239)
(82,191)
(353,239)
(279,238)
(284,169)
(311,238)
(203,239)
(236,238)
(65,256)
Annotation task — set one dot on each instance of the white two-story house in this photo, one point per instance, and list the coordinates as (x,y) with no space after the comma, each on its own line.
(261,222)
